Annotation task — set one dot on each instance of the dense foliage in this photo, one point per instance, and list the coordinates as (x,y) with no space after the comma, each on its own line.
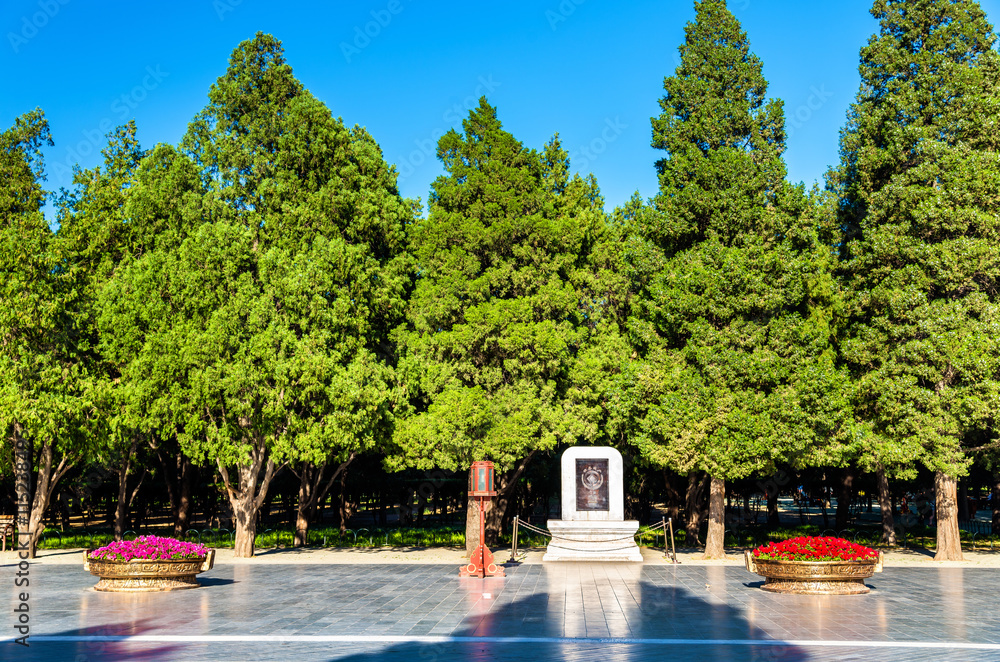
(258,306)
(917,182)
(734,319)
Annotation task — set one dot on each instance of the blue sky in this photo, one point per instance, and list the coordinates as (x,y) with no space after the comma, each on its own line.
(591,70)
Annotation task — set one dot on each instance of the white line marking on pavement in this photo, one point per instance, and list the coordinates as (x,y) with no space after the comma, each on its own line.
(404,639)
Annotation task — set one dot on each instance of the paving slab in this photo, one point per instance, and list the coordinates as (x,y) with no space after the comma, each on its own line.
(571,611)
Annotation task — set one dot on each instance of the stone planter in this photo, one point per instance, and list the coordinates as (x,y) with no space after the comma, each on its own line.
(814,577)
(139,575)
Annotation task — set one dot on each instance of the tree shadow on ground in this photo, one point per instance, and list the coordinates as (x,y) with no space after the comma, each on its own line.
(665,621)
(105,647)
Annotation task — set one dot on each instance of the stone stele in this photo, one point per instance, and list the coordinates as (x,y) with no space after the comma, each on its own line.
(593,525)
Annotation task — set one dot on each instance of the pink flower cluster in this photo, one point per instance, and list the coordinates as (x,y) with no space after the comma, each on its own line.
(150,548)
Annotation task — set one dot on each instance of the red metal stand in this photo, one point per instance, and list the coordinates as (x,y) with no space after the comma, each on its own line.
(481,562)
(481,486)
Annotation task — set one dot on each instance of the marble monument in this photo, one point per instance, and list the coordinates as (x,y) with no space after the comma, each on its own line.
(593,525)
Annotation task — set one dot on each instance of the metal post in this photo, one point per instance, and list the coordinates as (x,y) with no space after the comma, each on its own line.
(664,520)
(482,533)
(670,523)
(513,544)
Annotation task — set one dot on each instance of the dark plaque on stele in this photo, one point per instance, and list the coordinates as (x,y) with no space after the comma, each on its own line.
(592,484)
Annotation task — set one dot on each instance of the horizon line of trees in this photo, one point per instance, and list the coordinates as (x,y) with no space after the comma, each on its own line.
(260,298)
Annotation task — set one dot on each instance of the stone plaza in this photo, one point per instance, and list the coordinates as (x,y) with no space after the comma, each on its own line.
(268,608)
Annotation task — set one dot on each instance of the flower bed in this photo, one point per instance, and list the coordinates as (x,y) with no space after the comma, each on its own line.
(148,563)
(809,548)
(150,548)
(814,565)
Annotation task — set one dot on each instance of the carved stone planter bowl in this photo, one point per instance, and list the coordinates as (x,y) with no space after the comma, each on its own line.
(814,577)
(140,575)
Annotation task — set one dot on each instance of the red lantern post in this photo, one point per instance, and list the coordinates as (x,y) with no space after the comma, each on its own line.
(481,487)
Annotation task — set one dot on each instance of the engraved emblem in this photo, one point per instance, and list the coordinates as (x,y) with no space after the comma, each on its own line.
(592,484)
(592,478)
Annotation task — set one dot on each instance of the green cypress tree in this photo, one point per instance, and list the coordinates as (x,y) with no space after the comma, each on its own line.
(94,238)
(261,335)
(918,180)
(43,393)
(723,172)
(734,316)
(499,312)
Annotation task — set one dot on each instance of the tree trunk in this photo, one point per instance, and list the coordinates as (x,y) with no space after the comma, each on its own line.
(885,505)
(497,510)
(246,526)
(692,506)
(45,484)
(182,517)
(995,501)
(312,492)
(121,508)
(22,486)
(773,518)
(963,502)
(949,544)
(715,540)
(674,498)
(307,501)
(247,496)
(844,499)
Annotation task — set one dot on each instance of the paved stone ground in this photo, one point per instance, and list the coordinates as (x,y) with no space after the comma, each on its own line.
(365,613)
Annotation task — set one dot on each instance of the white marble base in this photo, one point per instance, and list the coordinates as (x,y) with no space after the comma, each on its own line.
(593,541)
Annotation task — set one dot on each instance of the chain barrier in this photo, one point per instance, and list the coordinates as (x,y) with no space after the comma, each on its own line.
(662,526)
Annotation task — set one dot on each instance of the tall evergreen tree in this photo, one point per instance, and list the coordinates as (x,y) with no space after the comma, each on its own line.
(43,393)
(262,336)
(733,320)
(498,314)
(94,238)
(919,177)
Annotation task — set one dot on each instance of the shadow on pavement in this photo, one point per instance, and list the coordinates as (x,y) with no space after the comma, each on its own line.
(664,613)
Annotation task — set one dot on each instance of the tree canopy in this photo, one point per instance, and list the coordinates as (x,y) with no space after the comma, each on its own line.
(734,316)
(258,336)
(918,181)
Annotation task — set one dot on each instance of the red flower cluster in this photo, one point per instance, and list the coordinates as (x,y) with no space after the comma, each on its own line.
(808,548)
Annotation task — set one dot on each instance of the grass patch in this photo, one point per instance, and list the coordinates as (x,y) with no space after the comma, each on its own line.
(331,537)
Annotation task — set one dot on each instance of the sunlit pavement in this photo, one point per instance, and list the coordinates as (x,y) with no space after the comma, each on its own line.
(538,612)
